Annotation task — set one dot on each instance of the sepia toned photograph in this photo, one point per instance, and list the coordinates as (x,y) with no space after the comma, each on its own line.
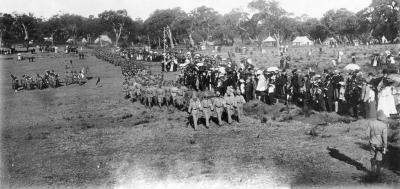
(200,94)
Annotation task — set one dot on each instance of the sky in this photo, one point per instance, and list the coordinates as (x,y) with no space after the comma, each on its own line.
(143,8)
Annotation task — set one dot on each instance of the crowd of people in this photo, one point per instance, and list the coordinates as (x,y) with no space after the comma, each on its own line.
(347,92)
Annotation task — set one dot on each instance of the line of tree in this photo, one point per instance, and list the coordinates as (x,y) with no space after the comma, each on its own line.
(380,18)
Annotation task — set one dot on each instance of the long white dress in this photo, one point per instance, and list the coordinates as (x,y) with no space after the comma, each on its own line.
(386,102)
(262,83)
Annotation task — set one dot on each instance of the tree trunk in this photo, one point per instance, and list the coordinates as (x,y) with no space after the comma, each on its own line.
(170,37)
(1,39)
(117,35)
(277,38)
(25,31)
(191,39)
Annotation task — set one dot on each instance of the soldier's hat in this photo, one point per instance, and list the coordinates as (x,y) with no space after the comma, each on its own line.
(294,71)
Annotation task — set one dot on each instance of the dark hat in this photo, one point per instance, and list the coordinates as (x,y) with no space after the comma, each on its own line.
(295,70)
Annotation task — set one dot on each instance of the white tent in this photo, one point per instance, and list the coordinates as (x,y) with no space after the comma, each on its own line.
(269,41)
(384,40)
(103,39)
(70,40)
(302,41)
(84,40)
(48,39)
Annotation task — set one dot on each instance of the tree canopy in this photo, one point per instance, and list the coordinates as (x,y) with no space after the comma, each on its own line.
(380,18)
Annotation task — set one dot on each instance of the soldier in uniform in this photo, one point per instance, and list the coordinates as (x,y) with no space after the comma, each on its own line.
(131,88)
(179,96)
(219,104)
(377,133)
(125,88)
(67,79)
(143,94)
(239,101)
(174,93)
(229,104)
(207,107)
(15,82)
(168,96)
(39,81)
(194,108)
(149,96)
(160,93)
(136,91)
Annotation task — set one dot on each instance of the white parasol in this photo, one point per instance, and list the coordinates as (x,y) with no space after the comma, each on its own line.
(272,69)
(352,67)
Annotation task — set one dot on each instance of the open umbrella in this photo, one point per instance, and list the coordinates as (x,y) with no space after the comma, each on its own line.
(272,69)
(352,67)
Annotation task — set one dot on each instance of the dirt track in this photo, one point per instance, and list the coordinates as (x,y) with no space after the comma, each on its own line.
(88,136)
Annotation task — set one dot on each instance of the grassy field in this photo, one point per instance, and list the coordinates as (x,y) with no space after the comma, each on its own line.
(90,137)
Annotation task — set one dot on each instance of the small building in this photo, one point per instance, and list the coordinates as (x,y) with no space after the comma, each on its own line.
(329,41)
(269,42)
(302,41)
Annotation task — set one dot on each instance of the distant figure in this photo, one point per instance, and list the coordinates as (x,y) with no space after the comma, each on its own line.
(19,57)
(377,134)
(98,81)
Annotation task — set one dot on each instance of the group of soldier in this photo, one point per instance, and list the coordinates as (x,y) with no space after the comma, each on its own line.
(146,89)
(75,77)
(140,85)
(48,79)
(140,54)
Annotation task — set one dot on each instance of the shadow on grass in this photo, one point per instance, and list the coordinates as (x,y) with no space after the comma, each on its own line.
(342,157)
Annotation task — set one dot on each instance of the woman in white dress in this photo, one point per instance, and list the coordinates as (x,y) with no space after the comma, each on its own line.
(262,85)
(386,101)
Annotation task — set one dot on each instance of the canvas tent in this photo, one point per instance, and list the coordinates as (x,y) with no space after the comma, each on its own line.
(70,40)
(48,39)
(269,41)
(396,40)
(384,40)
(84,40)
(302,41)
(103,39)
